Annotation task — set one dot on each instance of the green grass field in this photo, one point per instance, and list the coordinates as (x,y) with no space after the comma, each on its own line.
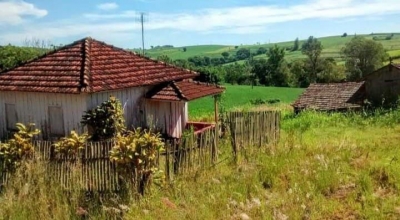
(332,47)
(239,96)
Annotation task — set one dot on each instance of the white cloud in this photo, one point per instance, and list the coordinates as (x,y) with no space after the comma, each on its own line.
(14,11)
(243,17)
(234,20)
(107,6)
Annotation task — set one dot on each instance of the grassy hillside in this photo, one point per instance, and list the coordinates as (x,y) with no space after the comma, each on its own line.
(240,96)
(332,46)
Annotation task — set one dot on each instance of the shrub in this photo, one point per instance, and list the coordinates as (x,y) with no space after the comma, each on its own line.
(136,153)
(70,145)
(20,146)
(106,120)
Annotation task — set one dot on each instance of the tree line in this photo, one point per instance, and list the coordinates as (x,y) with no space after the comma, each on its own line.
(361,56)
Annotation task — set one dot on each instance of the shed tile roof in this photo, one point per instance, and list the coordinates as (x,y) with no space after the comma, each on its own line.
(88,66)
(332,96)
(186,90)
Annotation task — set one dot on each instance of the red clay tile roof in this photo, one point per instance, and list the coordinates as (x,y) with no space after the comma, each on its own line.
(88,66)
(332,96)
(184,90)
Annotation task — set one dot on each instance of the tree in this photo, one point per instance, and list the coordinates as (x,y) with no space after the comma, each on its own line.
(276,57)
(209,75)
(243,53)
(363,56)
(184,49)
(344,34)
(261,50)
(331,72)
(225,55)
(296,45)
(164,58)
(259,69)
(312,48)
(237,74)
(299,73)
(11,56)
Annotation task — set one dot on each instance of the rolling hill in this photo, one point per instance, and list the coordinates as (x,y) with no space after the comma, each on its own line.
(332,47)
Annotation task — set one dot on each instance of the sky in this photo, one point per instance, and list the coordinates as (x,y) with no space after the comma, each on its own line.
(191,22)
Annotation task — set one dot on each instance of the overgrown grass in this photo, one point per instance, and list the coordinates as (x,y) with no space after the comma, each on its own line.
(326,166)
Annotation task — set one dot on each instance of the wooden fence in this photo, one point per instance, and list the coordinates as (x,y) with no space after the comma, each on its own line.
(94,171)
(253,129)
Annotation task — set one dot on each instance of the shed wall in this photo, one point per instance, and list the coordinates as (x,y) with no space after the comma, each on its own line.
(34,108)
(384,83)
(167,117)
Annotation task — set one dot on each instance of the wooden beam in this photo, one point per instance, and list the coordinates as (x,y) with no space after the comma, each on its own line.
(216,109)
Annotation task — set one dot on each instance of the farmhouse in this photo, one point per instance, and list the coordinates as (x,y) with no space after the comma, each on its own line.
(55,89)
(382,85)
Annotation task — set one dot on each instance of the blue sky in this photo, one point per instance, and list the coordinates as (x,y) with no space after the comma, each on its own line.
(192,22)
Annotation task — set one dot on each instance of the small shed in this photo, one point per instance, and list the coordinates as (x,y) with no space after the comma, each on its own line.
(55,89)
(167,106)
(383,85)
(332,97)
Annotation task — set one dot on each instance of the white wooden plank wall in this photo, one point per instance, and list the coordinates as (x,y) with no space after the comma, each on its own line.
(131,100)
(168,117)
(33,108)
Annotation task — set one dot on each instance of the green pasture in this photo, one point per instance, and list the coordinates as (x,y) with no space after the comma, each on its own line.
(332,47)
(240,96)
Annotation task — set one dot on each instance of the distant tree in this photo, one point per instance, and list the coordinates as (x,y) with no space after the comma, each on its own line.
(261,50)
(296,45)
(260,69)
(225,54)
(152,47)
(243,54)
(11,56)
(344,34)
(236,47)
(276,58)
(183,63)
(209,75)
(184,49)
(312,48)
(331,72)
(164,58)
(299,73)
(237,74)
(363,56)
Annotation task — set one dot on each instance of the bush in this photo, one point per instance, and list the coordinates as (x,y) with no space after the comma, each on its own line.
(136,154)
(106,120)
(19,147)
(263,102)
(69,146)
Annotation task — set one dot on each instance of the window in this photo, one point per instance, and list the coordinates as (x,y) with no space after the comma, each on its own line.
(11,117)
(56,121)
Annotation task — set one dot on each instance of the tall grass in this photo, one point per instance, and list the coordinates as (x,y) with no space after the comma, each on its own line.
(326,166)
(33,193)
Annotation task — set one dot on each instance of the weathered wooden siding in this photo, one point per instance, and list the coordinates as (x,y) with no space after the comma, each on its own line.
(384,83)
(167,117)
(131,99)
(34,108)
